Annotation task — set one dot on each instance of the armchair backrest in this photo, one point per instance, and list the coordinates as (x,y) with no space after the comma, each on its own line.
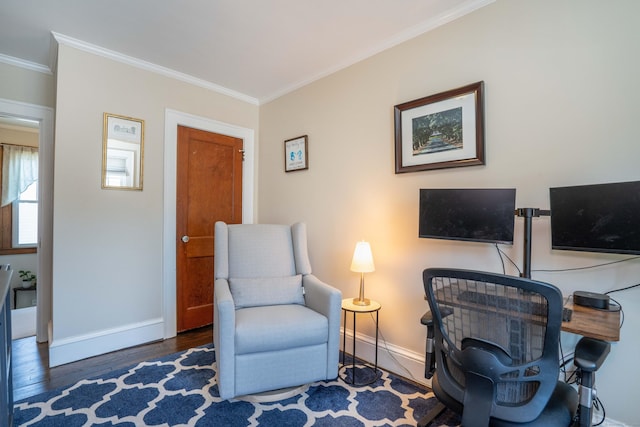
(263,263)
(496,341)
(260,250)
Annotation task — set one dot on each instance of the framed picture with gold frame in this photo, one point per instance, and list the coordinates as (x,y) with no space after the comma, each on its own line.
(122,152)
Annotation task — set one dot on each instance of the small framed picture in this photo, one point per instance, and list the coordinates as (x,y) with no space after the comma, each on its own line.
(295,154)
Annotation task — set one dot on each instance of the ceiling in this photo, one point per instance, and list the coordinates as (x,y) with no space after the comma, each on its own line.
(259,49)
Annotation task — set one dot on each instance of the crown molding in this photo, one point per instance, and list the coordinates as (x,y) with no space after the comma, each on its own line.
(148,66)
(408,34)
(22,63)
(53,54)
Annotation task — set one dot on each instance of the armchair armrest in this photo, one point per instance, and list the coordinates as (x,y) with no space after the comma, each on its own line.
(224,325)
(321,297)
(327,300)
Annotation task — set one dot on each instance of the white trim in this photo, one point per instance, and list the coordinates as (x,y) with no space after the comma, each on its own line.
(53,53)
(172,120)
(45,116)
(82,346)
(148,66)
(23,63)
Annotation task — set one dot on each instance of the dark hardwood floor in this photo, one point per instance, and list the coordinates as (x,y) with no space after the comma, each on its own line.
(32,375)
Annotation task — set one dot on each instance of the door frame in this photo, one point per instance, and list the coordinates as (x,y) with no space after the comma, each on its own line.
(172,120)
(44,115)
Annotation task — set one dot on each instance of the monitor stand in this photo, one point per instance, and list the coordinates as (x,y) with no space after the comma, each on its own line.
(528,214)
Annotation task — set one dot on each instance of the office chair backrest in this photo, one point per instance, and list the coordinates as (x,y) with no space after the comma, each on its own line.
(496,341)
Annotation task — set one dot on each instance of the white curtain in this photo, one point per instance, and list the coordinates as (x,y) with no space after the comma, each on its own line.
(19,170)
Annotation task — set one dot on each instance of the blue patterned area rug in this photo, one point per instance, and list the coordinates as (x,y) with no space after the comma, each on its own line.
(180,390)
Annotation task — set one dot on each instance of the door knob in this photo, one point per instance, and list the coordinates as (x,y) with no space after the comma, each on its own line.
(185,239)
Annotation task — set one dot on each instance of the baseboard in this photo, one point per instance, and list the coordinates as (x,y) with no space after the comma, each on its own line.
(80,347)
(398,360)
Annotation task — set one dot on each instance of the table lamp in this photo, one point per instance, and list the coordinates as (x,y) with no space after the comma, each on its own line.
(362,262)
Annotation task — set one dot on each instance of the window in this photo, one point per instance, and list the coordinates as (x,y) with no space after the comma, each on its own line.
(19,222)
(25,218)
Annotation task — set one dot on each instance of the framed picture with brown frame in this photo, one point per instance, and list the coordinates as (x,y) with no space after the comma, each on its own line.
(296,156)
(445,130)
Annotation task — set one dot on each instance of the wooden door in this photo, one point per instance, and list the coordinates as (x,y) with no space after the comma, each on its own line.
(209,189)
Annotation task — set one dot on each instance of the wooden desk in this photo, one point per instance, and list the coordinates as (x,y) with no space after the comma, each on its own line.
(589,322)
(586,321)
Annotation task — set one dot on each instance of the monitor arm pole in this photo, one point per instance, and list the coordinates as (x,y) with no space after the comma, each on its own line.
(528,214)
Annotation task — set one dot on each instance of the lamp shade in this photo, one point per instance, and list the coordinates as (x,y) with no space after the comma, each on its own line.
(362,261)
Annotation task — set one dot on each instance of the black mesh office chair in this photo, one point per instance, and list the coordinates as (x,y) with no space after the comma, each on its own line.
(496,343)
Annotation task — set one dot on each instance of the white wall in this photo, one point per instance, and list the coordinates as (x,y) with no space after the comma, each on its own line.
(19,84)
(108,244)
(560,109)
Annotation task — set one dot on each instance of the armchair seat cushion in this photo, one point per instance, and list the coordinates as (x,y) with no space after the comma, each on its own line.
(277,327)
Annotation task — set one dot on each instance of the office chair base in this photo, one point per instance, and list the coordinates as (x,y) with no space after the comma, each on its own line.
(432,415)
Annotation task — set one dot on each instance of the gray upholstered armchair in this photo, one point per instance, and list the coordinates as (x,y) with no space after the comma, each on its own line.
(275,324)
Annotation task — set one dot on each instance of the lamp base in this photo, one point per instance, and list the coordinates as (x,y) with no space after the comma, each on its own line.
(361,301)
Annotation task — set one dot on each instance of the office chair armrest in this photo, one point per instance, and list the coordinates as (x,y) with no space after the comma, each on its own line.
(427,319)
(430,352)
(591,353)
(430,357)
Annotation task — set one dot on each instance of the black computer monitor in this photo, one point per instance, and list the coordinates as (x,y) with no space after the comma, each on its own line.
(476,215)
(596,218)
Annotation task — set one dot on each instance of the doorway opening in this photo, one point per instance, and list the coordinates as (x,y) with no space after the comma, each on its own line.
(19,141)
(41,118)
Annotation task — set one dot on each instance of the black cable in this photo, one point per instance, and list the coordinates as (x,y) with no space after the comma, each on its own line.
(386,347)
(565,362)
(504,271)
(501,253)
(589,266)
(622,289)
(621,312)
(597,403)
(618,304)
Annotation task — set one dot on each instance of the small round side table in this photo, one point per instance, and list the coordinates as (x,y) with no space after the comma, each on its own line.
(349,307)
